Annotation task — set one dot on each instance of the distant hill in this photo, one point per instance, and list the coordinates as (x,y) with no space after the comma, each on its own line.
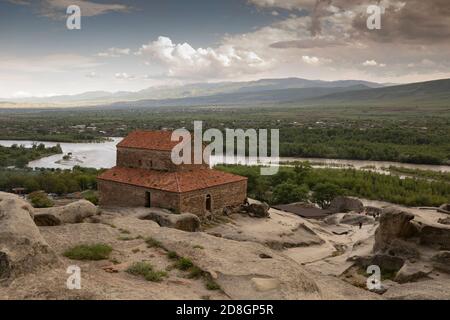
(266,91)
(243,98)
(424,93)
(193,90)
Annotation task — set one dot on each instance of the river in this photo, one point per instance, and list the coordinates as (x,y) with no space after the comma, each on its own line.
(103,155)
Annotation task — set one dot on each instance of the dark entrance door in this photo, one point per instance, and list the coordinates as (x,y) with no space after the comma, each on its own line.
(148,200)
(208,202)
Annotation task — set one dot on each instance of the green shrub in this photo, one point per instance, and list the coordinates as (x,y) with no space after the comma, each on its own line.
(184,264)
(126,238)
(155,276)
(140,268)
(89,252)
(152,243)
(195,272)
(146,270)
(92,198)
(40,199)
(212,285)
(172,255)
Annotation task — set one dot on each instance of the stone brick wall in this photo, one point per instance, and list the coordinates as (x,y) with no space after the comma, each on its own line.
(231,194)
(124,195)
(150,159)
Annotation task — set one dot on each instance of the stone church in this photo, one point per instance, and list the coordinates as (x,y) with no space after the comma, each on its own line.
(145,176)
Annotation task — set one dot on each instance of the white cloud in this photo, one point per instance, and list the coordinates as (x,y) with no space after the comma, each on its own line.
(56,9)
(314,60)
(21,94)
(370,63)
(124,76)
(285,4)
(114,52)
(182,60)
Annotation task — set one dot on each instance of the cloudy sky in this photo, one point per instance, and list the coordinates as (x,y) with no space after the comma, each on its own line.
(131,45)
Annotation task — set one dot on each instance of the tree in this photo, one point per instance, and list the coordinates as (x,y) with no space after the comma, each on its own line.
(40,200)
(288,192)
(302,170)
(323,193)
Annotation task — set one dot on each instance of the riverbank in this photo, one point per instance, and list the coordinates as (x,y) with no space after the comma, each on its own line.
(103,155)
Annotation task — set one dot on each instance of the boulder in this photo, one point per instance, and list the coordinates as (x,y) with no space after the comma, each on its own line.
(435,236)
(185,221)
(346,204)
(46,219)
(394,224)
(445,221)
(258,210)
(75,212)
(333,219)
(356,218)
(387,263)
(445,208)
(373,211)
(412,272)
(403,249)
(441,261)
(22,248)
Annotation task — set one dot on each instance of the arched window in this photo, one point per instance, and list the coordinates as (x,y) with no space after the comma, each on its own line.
(208,202)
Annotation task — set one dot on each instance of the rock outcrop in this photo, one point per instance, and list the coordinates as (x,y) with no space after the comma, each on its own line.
(346,204)
(394,224)
(185,221)
(279,232)
(75,212)
(356,218)
(445,208)
(445,221)
(435,236)
(411,272)
(258,210)
(22,248)
(441,261)
(373,211)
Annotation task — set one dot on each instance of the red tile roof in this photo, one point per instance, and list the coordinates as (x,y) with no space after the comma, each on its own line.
(182,181)
(152,140)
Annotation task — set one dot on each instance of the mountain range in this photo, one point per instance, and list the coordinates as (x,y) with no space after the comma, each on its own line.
(265,91)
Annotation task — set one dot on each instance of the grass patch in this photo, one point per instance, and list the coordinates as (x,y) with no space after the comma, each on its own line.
(152,243)
(172,255)
(89,252)
(195,272)
(140,268)
(212,285)
(184,264)
(146,270)
(155,276)
(126,238)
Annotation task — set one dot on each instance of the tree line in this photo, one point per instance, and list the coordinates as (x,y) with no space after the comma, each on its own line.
(302,183)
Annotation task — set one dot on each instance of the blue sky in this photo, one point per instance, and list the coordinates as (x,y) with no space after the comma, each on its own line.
(131,45)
